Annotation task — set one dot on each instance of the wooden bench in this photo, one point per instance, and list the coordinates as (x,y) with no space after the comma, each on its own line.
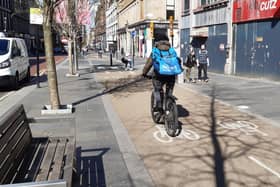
(24,158)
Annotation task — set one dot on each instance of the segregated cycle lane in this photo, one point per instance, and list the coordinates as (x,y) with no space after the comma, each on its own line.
(218,145)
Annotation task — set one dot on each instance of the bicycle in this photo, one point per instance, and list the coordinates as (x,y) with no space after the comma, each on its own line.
(168,115)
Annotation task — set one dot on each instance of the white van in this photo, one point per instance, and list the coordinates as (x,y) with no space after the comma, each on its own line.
(14,61)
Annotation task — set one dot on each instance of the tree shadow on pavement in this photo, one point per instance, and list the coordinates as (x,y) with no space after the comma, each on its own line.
(121,87)
(221,157)
(90,168)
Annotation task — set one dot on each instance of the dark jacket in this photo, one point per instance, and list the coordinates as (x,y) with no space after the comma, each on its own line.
(161,45)
(191,61)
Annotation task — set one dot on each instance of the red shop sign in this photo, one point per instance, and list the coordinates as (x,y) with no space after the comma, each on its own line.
(248,10)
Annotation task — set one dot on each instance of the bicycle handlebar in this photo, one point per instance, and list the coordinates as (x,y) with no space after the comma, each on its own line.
(148,76)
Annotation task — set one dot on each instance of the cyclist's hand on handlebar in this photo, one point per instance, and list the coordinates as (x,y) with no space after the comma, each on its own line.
(147,76)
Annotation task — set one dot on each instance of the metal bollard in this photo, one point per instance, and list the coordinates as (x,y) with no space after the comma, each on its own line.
(111,59)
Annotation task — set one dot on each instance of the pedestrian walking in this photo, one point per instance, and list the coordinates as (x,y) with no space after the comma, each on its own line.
(189,63)
(202,63)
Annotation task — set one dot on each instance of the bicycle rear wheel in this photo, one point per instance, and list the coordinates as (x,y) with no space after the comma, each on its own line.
(156,115)
(171,117)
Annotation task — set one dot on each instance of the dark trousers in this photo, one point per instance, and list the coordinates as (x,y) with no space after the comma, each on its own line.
(158,83)
(202,67)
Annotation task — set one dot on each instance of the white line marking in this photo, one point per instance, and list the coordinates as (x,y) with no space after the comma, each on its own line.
(5,96)
(264,166)
(243,107)
(247,127)
(161,135)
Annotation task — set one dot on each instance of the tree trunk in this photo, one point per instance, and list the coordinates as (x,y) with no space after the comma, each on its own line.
(75,55)
(52,76)
(70,56)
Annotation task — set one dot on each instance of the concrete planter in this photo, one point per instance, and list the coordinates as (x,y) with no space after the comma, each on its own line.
(64,109)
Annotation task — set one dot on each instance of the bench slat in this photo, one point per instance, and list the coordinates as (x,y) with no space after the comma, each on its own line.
(9,132)
(13,142)
(58,160)
(68,167)
(31,161)
(15,154)
(47,162)
(27,159)
(8,118)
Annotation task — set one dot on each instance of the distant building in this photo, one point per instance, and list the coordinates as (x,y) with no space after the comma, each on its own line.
(140,20)
(242,37)
(100,26)
(256,31)
(206,22)
(111,26)
(14,21)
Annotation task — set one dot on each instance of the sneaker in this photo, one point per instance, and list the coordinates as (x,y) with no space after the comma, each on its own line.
(206,80)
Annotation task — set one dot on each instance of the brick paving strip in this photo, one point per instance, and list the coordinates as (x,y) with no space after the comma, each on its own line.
(43,65)
(218,146)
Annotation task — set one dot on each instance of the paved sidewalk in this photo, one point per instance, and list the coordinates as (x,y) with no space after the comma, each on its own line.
(254,96)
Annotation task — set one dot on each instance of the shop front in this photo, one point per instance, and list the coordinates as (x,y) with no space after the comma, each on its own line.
(257,30)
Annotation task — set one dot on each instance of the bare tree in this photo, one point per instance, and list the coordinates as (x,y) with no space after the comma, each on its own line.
(65,25)
(48,15)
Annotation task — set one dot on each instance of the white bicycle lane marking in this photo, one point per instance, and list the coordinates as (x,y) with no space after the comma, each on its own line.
(246,127)
(161,135)
(264,166)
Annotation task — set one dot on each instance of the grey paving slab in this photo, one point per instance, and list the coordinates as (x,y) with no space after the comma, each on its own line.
(261,96)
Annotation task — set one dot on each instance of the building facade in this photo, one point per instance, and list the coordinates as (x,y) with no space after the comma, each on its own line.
(207,22)
(139,21)
(6,9)
(241,36)
(100,26)
(256,31)
(14,21)
(111,26)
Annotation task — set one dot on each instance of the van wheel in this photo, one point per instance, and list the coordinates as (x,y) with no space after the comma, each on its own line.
(15,82)
(27,77)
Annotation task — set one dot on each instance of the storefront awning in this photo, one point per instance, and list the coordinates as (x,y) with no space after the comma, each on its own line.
(199,32)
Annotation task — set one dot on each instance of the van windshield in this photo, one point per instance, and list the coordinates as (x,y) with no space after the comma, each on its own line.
(4,46)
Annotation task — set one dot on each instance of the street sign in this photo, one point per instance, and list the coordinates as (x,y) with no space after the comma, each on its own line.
(152,29)
(36,16)
(171,22)
(133,33)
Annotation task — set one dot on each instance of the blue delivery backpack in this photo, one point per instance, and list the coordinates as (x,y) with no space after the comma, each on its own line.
(166,62)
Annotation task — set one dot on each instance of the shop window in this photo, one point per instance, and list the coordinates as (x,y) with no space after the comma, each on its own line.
(169,13)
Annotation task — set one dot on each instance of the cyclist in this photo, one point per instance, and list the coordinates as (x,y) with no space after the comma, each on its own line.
(162,43)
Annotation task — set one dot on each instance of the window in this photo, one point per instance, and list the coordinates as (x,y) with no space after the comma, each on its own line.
(186,5)
(169,13)
(170,8)
(4,46)
(15,50)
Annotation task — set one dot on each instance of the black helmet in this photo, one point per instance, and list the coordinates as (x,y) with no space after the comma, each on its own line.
(161,37)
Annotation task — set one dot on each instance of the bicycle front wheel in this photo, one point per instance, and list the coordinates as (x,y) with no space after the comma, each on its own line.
(171,117)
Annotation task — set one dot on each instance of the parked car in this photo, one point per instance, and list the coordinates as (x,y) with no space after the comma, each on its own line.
(14,62)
